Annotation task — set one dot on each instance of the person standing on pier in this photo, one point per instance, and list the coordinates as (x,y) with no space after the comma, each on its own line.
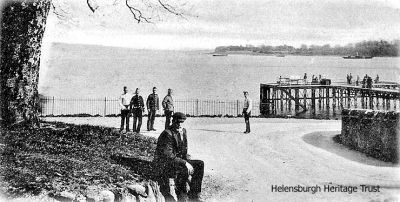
(364,81)
(168,105)
(153,104)
(137,109)
(247,110)
(125,99)
(350,78)
(369,82)
(377,79)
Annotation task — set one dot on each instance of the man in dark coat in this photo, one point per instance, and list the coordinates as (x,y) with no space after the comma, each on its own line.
(173,161)
(137,109)
(153,104)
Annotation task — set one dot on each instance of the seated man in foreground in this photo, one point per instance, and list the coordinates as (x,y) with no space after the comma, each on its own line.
(173,161)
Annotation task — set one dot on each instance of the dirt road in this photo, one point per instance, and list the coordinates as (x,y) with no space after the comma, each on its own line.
(278,152)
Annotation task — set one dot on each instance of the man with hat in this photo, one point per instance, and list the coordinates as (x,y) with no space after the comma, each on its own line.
(173,161)
(137,109)
(247,110)
(168,105)
(153,104)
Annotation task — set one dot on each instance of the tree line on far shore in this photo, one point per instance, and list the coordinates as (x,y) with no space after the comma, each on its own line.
(365,48)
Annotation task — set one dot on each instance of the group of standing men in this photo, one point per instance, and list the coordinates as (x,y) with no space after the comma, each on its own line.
(135,105)
(179,175)
(366,82)
(171,157)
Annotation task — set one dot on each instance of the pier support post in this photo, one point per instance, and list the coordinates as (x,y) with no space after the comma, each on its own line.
(334,101)
(281,100)
(313,101)
(371,100)
(348,98)
(327,99)
(296,103)
(290,101)
(355,98)
(319,98)
(377,102)
(268,101)
(305,97)
(362,99)
(273,101)
(341,98)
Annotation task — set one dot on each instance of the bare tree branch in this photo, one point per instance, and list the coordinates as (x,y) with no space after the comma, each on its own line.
(59,12)
(169,8)
(137,11)
(92,5)
(137,14)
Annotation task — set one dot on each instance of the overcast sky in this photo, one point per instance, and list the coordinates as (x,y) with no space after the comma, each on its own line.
(211,23)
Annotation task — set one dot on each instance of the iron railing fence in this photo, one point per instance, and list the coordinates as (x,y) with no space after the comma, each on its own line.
(110,106)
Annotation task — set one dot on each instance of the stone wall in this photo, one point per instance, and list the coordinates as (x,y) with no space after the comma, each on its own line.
(375,133)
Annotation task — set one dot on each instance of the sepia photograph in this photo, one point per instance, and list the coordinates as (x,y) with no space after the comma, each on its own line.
(199,100)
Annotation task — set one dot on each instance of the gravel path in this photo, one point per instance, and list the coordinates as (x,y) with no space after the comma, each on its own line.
(290,152)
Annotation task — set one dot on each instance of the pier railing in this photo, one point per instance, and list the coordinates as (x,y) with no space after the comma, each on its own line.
(53,106)
(324,101)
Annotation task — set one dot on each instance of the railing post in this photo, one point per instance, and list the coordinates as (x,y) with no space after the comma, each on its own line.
(52,107)
(197,107)
(105,106)
(237,107)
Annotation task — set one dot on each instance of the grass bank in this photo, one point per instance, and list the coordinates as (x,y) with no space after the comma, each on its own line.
(64,157)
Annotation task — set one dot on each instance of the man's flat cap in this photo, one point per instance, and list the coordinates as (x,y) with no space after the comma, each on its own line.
(179,116)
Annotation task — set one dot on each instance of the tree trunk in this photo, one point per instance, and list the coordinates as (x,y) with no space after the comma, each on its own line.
(22,27)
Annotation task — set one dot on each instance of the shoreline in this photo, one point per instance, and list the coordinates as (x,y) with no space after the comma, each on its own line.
(286,54)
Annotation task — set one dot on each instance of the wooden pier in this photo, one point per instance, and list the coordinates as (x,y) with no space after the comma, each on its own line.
(324,101)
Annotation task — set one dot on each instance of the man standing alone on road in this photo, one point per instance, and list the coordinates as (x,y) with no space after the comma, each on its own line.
(168,105)
(137,107)
(247,110)
(125,99)
(153,104)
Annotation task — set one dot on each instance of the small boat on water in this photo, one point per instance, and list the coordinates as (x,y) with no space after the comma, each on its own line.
(357,57)
(220,54)
(280,55)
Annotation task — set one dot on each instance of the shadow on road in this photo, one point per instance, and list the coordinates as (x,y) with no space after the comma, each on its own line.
(218,131)
(324,140)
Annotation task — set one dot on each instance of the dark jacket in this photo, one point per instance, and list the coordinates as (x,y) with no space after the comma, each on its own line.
(137,102)
(170,150)
(153,102)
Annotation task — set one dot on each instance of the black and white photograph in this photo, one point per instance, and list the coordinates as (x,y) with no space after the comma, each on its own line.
(199,100)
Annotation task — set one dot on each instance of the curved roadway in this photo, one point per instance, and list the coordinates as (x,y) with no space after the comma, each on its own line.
(281,152)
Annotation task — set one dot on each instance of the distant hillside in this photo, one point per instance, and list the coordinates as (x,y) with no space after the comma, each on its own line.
(367,48)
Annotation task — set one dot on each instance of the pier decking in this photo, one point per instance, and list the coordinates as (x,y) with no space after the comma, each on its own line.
(325,101)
